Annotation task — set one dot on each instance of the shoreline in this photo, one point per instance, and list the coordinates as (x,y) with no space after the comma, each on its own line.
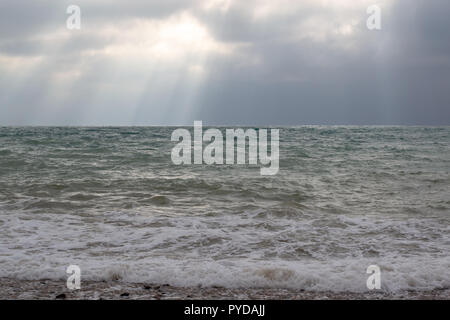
(15,289)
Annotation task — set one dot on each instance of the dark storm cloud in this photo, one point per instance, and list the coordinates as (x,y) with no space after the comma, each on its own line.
(397,76)
(289,65)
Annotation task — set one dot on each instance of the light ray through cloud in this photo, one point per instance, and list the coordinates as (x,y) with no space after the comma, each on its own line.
(267,62)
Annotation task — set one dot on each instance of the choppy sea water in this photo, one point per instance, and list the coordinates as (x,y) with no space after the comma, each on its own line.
(111,201)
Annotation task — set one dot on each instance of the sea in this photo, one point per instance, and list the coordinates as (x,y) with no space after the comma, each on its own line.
(111,201)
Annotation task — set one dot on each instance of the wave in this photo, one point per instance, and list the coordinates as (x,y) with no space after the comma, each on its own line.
(348,275)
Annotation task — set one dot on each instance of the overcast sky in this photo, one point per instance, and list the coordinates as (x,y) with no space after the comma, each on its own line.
(249,62)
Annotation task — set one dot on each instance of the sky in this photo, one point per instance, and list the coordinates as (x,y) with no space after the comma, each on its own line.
(225,62)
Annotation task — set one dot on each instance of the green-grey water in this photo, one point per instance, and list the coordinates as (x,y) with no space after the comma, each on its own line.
(111,201)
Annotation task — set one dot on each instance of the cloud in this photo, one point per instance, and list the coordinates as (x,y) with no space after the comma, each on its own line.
(224,61)
(177,37)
